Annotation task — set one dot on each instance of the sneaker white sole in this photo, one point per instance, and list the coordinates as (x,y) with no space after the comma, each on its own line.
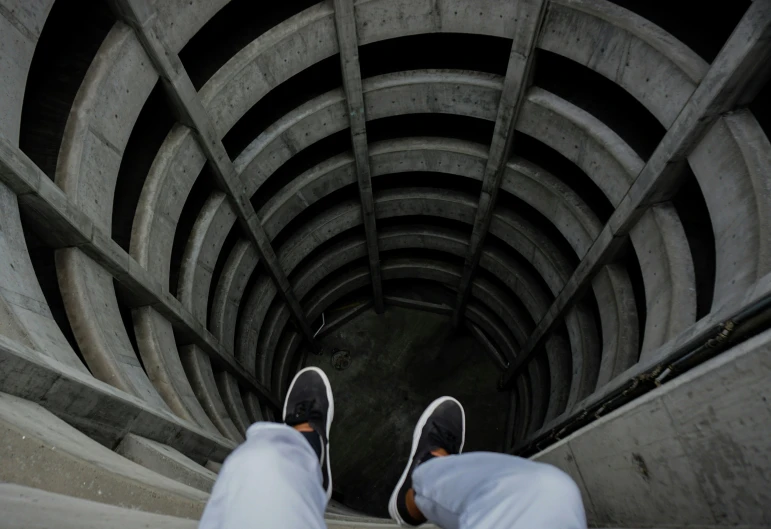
(392,509)
(330,416)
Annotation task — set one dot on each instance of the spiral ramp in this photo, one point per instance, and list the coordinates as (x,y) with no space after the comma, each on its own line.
(557,210)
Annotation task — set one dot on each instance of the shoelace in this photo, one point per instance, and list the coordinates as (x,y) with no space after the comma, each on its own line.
(444,437)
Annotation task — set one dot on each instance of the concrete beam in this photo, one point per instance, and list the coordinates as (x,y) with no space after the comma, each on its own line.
(140,15)
(96,408)
(529,14)
(425,306)
(345,22)
(62,224)
(731,79)
(41,450)
(166,461)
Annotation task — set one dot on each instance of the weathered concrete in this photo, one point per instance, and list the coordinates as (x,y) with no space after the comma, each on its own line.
(166,461)
(163,362)
(199,372)
(192,110)
(345,26)
(733,166)
(727,81)
(527,17)
(234,402)
(21,23)
(43,451)
(522,179)
(98,409)
(646,61)
(104,344)
(213,466)
(33,508)
(691,451)
(62,224)
(24,313)
(417,202)
(229,292)
(727,152)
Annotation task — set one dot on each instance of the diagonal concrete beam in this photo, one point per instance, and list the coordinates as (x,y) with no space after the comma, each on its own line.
(141,16)
(345,22)
(733,79)
(528,17)
(61,224)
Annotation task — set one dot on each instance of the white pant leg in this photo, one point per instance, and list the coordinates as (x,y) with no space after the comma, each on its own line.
(271,481)
(483,490)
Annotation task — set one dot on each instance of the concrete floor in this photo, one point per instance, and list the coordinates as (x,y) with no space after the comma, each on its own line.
(401,361)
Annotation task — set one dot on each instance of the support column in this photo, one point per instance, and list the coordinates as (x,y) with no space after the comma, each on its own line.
(529,15)
(140,15)
(733,79)
(345,22)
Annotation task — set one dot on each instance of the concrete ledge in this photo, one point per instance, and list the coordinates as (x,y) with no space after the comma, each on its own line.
(36,509)
(694,452)
(102,412)
(166,461)
(642,55)
(213,466)
(39,449)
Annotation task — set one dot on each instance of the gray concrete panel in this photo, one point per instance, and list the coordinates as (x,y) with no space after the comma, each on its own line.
(96,408)
(387,19)
(528,16)
(87,290)
(166,461)
(199,371)
(653,66)
(670,283)
(21,22)
(345,29)
(231,397)
(265,63)
(35,509)
(195,272)
(250,325)
(693,451)
(37,443)
(229,292)
(161,358)
(733,166)
(167,186)
(105,109)
(24,313)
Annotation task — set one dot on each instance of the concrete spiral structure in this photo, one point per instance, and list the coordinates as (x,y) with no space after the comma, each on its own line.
(187,186)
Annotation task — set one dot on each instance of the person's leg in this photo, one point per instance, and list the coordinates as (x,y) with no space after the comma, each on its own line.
(275,480)
(271,481)
(485,490)
(479,490)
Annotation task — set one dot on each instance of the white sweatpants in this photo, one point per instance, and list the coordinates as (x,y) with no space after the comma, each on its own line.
(273,481)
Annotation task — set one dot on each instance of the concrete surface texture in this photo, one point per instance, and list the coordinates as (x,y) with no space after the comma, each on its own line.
(546,196)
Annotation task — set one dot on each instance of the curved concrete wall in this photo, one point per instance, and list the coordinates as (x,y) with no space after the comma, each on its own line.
(227,305)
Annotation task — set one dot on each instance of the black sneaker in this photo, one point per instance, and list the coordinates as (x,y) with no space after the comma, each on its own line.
(442,425)
(309,399)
